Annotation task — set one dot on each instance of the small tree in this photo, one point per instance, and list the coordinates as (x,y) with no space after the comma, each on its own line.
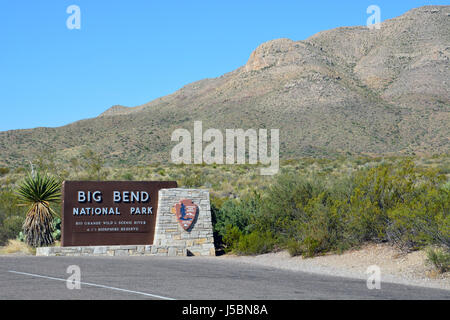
(38,192)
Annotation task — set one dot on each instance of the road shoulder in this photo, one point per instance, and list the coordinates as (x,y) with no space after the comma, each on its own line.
(396,267)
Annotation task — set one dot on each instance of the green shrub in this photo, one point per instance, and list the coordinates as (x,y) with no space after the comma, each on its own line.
(439,258)
(400,203)
(21,237)
(313,214)
(326,228)
(57,228)
(238,213)
(11,216)
(283,207)
(9,228)
(311,246)
(294,247)
(128,176)
(256,243)
(231,237)
(218,202)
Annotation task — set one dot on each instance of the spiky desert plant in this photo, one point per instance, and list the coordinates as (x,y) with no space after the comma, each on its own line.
(37,192)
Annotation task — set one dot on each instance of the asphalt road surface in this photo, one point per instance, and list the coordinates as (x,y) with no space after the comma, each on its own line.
(182,278)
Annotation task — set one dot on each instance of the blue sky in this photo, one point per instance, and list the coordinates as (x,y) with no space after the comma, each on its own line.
(131,52)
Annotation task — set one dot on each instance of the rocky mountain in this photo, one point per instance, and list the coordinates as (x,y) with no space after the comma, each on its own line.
(350,90)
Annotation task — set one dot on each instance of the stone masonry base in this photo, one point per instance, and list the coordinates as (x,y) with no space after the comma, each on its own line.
(199,239)
(128,250)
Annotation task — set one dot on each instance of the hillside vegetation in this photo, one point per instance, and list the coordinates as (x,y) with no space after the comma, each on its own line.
(355,199)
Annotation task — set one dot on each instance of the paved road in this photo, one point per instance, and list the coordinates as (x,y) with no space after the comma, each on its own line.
(182,278)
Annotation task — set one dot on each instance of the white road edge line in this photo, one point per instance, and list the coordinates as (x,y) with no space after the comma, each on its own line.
(93,285)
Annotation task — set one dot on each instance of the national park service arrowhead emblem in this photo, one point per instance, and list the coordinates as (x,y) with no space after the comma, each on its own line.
(186,212)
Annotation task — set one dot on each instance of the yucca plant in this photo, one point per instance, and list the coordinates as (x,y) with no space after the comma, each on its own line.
(38,191)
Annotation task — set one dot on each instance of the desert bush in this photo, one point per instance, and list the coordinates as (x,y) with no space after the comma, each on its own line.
(231,237)
(439,258)
(255,242)
(316,213)
(306,213)
(282,208)
(57,229)
(128,176)
(11,216)
(237,213)
(294,248)
(92,165)
(400,203)
(326,229)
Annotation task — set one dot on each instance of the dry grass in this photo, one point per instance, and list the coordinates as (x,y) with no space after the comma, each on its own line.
(17,247)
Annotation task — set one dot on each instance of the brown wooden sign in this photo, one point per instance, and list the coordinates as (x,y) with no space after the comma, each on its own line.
(110,212)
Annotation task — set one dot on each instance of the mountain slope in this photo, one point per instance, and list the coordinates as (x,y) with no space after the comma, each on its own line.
(347,90)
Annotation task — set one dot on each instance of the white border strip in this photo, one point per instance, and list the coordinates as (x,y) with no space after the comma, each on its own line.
(94,285)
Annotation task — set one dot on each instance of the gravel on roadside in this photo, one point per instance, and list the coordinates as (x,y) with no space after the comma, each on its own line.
(396,267)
